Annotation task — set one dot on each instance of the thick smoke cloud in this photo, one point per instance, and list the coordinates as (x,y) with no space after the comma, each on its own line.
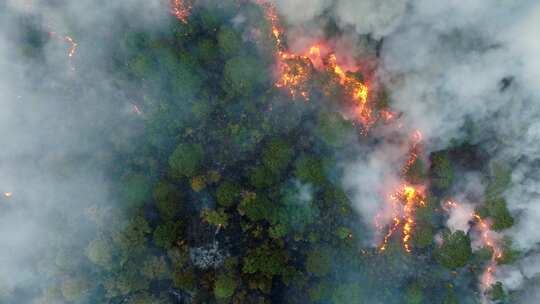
(450,63)
(61,118)
(377,18)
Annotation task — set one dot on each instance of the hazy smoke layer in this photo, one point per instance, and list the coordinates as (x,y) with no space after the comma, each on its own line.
(58,125)
(446,62)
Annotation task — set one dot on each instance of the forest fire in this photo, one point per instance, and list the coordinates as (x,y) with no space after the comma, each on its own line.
(181,10)
(72,46)
(488,240)
(8,194)
(404,203)
(295,71)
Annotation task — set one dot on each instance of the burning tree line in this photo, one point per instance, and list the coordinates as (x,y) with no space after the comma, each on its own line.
(295,73)
(228,194)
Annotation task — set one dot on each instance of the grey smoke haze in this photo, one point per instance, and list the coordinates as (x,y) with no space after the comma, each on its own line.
(58,126)
(444,62)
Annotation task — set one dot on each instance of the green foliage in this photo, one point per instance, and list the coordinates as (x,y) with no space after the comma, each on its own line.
(309,170)
(126,281)
(207,51)
(319,291)
(319,261)
(229,41)
(217,217)
(509,254)
(100,252)
(343,233)
(225,286)
(501,177)
(414,294)
(333,129)
(185,279)
(186,160)
(242,75)
(295,212)
(135,189)
(265,260)
(168,200)
(497,210)
(166,234)
(455,250)
(423,235)
(141,65)
(133,235)
(450,297)
(256,207)
(277,155)
(198,183)
(347,293)
(442,172)
(228,194)
(496,292)
(417,172)
(73,289)
(155,268)
(495,206)
(262,177)
(143,298)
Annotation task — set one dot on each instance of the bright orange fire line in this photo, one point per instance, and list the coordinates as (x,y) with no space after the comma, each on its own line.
(295,74)
(410,197)
(487,278)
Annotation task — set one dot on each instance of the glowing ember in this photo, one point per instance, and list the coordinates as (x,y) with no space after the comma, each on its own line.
(486,234)
(181,10)
(489,240)
(273,19)
(136,109)
(295,73)
(8,194)
(72,46)
(295,70)
(413,156)
(387,115)
(404,202)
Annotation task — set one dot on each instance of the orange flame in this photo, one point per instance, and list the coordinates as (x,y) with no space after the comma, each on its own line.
(8,194)
(404,202)
(72,46)
(484,228)
(181,10)
(295,70)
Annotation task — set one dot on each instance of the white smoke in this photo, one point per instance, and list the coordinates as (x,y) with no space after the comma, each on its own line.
(374,17)
(49,125)
(448,61)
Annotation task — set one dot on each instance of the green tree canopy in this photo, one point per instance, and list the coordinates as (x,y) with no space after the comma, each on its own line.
(167,234)
(228,194)
(242,75)
(265,260)
(319,261)
(442,172)
(225,286)
(168,200)
(455,250)
(186,160)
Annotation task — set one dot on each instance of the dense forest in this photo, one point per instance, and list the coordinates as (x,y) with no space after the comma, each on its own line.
(223,188)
